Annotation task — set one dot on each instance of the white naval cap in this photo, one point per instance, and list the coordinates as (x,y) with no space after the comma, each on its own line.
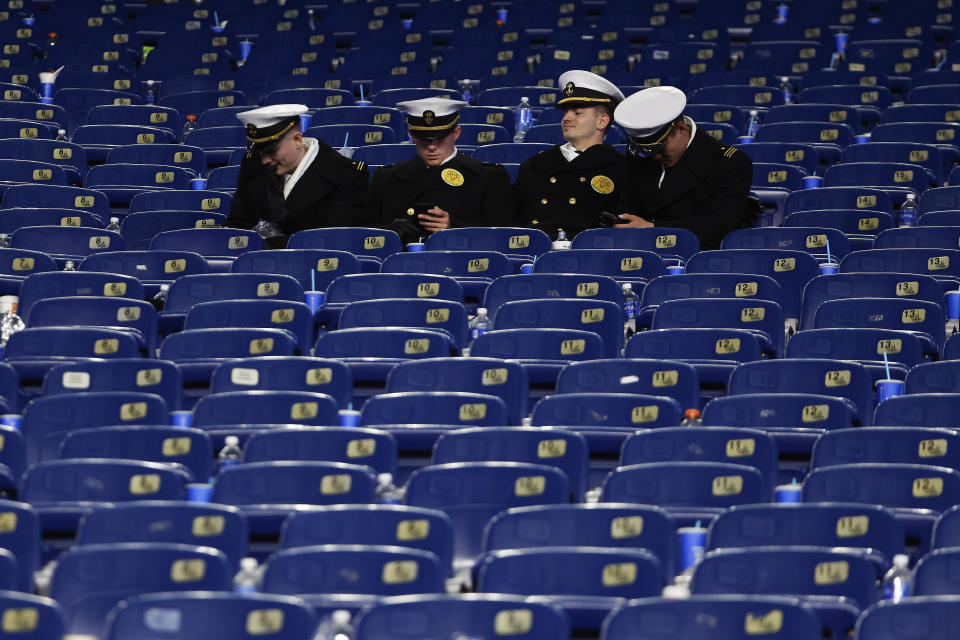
(646,113)
(267,125)
(586,89)
(431,117)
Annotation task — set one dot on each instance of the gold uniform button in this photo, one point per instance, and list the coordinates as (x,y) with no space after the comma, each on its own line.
(572,201)
(552,179)
(582,179)
(534,222)
(410,211)
(543,201)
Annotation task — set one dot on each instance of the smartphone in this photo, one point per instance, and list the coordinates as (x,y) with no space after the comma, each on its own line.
(608,219)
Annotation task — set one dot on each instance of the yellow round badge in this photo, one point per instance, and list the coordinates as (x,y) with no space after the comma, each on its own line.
(452,177)
(602,184)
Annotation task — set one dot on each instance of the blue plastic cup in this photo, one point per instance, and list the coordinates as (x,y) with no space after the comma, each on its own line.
(861,139)
(181,418)
(415,246)
(198,184)
(11,420)
(217,28)
(526,267)
(693,541)
(29,21)
(349,418)
(745,139)
(245,48)
(812,182)
(788,493)
(305,120)
(889,389)
(953,305)
(829,269)
(199,492)
(314,300)
(674,270)
(363,103)
(840,39)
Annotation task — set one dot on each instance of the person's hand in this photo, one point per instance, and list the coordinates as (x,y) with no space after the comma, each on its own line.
(435,219)
(633,221)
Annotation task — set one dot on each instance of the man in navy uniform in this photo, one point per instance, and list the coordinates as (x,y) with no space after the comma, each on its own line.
(288,183)
(679,175)
(438,188)
(569,185)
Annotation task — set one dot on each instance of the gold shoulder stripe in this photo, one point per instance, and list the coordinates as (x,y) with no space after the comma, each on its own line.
(360,165)
(729,152)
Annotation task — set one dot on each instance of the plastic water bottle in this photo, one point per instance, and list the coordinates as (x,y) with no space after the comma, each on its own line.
(753,124)
(561,242)
(336,627)
(896,583)
(10,323)
(464,86)
(908,211)
(161,298)
(230,455)
(62,135)
(151,96)
(480,324)
(4,240)
(524,119)
(189,125)
(114,224)
(691,418)
(69,266)
(247,578)
(630,304)
(787,89)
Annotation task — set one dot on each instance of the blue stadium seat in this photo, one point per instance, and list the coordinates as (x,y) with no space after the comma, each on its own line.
(31,172)
(917,410)
(221,246)
(782,412)
(703,617)
(860,227)
(608,410)
(778,176)
(384,116)
(435,315)
(384,154)
(933,377)
(668,242)
(550,285)
(13,457)
(470,493)
(853,94)
(285,483)
(933,237)
(41,616)
(762,316)
(907,445)
(174,445)
(861,526)
(563,449)
(839,198)
(98,140)
(66,243)
(926,155)
(352,135)
(371,447)
(134,316)
(47,420)
(670,378)
(451,615)
(289,373)
(626,265)
(838,378)
(946,531)
(152,268)
(897,178)
(139,229)
(864,344)
(861,118)
(940,199)
(463,409)
(57,284)
(501,378)
(176,200)
(218,143)
(89,581)
(920,317)
(747,447)
(379,524)
(803,156)
(209,525)
(294,317)
(265,407)
(858,284)
(936,616)
(70,157)
(46,196)
(823,243)
(508,151)
(359,241)
(21,537)
(788,570)
(815,133)
(601,317)
(209,616)
(175,155)
(908,486)
(518,244)
(586,582)
(473,269)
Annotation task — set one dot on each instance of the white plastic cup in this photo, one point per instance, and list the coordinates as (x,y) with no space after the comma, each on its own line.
(9,304)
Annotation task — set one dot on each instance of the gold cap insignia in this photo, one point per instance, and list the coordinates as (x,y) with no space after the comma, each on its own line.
(428,116)
(568,90)
(251,131)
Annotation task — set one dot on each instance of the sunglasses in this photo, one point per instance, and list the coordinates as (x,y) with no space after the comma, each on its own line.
(645,150)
